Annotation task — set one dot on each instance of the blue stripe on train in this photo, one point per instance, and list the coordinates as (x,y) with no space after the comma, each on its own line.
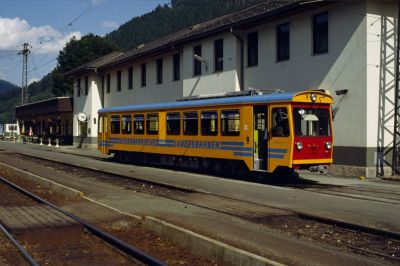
(277,150)
(232,148)
(243,154)
(193,144)
(276,156)
(232,143)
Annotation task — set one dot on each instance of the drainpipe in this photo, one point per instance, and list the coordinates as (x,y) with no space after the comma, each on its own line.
(396,99)
(241,41)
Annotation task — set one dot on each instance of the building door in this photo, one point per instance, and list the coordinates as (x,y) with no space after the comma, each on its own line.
(260,137)
(82,127)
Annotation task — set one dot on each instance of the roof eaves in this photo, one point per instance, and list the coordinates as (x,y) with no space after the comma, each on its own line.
(93,65)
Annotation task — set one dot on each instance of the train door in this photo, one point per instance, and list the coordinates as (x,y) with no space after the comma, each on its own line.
(260,137)
(103,133)
(279,137)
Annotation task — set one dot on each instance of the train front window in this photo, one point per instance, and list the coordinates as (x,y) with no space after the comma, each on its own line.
(311,122)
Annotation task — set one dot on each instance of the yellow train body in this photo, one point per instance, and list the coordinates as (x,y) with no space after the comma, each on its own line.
(252,120)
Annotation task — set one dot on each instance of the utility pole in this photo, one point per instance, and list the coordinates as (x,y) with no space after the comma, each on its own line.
(396,129)
(24,93)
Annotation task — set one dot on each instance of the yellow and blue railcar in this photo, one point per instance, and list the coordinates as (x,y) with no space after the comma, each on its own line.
(259,132)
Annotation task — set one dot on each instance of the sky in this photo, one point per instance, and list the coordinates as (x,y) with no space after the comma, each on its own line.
(48,24)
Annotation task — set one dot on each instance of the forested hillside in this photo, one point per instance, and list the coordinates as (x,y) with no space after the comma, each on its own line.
(170,18)
(161,21)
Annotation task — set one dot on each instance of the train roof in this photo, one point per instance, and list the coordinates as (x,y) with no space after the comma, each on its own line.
(263,98)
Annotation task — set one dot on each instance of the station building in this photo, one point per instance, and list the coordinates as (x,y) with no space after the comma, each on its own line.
(345,47)
(48,119)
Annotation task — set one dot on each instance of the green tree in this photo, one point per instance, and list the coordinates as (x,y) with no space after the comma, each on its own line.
(75,54)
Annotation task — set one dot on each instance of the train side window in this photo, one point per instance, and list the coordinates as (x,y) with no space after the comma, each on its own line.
(100,125)
(105,124)
(152,124)
(230,123)
(173,123)
(190,123)
(280,122)
(115,124)
(209,123)
(138,121)
(126,124)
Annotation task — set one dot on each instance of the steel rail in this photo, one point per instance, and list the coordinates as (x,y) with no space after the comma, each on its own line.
(119,244)
(304,215)
(20,248)
(307,216)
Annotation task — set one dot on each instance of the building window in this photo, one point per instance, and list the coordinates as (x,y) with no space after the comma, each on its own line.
(282,42)
(78,87)
(280,122)
(130,78)
(159,71)
(219,55)
(119,80)
(126,124)
(190,123)
(252,49)
(143,70)
(86,85)
(108,83)
(138,123)
(209,123)
(173,123)
(320,33)
(230,123)
(152,124)
(115,124)
(196,60)
(177,67)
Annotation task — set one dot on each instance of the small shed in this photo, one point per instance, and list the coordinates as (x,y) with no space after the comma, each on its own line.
(47,119)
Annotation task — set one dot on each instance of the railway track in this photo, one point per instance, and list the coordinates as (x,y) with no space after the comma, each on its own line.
(358,239)
(51,235)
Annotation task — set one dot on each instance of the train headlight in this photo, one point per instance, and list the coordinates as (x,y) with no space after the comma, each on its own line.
(299,145)
(328,145)
(313,98)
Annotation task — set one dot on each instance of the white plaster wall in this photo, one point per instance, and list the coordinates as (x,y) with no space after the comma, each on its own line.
(381,31)
(89,104)
(210,81)
(343,67)
(169,90)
